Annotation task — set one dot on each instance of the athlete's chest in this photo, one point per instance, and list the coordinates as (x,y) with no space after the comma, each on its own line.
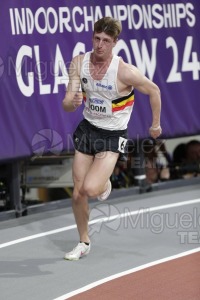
(99,71)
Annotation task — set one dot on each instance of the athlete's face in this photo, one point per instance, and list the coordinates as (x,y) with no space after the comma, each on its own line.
(103,44)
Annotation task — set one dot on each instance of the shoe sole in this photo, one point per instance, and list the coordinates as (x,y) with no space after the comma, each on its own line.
(108,194)
(75,258)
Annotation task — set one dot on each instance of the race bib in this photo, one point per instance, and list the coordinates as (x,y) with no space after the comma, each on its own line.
(99,107)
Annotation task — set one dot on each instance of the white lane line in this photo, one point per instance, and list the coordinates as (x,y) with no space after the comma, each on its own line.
(115,276)
(105,219)
(145,210)
(35,236)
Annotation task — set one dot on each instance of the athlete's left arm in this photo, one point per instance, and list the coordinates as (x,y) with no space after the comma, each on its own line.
(133,77)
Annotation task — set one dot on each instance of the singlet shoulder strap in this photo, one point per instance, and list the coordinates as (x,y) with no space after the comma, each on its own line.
(114,63)
(87,56)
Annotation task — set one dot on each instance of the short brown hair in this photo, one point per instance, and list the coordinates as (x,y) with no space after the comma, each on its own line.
(110,26)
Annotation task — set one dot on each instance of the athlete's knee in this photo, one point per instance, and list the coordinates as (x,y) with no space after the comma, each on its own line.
(77,196)
(87,190)
(90,190)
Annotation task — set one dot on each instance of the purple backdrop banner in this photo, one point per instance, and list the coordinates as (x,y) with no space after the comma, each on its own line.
(39,39)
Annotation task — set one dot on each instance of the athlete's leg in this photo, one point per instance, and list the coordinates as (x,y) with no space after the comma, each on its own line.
(90,180)
(95,182)
(81,165)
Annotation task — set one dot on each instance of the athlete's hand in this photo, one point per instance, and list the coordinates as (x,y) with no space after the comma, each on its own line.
(77,100)
(155,131)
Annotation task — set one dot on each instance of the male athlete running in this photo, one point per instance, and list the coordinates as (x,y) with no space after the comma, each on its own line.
(108,85)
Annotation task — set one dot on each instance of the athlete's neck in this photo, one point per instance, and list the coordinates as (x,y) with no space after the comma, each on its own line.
(98,68)
(95,60)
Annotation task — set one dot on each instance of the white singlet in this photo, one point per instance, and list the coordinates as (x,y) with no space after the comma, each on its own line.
(104,107)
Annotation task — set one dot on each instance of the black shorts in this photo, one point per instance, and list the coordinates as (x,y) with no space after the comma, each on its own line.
(91,140)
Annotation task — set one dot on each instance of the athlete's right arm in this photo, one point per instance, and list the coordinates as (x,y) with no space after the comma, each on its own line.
(73,97)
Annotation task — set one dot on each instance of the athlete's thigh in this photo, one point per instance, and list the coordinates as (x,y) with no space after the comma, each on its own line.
(101,168)
(81,164)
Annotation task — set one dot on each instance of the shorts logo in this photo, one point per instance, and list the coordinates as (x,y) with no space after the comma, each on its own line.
(76,140)
(84,80)
(122,144)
